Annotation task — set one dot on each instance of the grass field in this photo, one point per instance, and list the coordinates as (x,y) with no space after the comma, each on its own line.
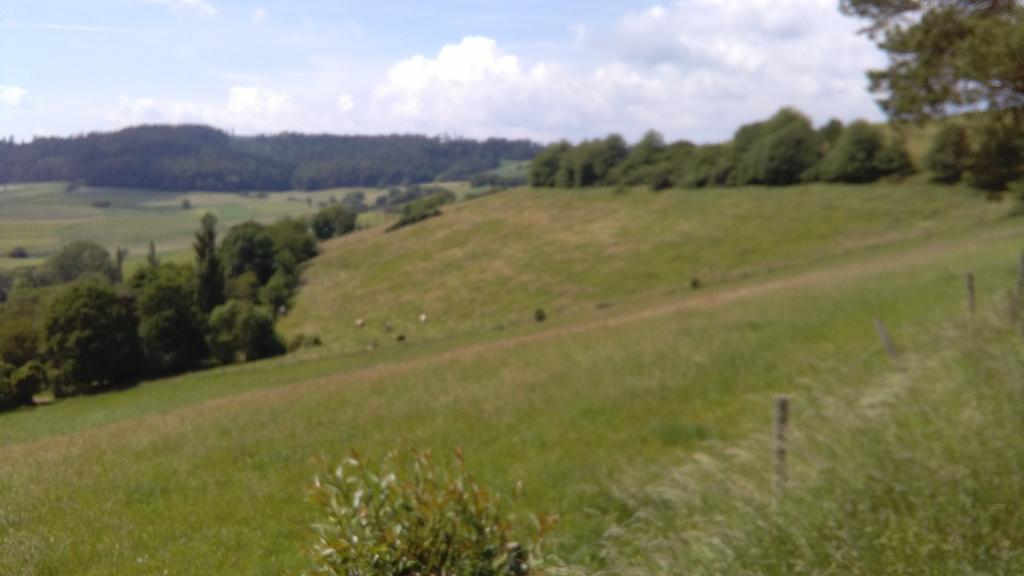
(43,217)
(487,265)
(633,381)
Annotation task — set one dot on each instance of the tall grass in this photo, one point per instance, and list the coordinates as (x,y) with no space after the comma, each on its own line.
(921,474)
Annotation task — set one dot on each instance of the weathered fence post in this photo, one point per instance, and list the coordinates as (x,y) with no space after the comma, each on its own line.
(1011,308)
(1020,278)
(971,302)
(780,424)
(883,333)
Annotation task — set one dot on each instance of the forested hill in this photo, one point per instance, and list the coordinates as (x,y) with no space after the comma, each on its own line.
(204,158)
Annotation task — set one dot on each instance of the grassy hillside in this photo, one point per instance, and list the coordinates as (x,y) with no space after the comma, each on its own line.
(486,265)
(595,410)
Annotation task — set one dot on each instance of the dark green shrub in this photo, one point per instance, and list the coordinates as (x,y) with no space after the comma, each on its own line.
(853,158)
(997,160)
(22,384)
(304,341)
(18,252)
(422,209)
(19,340)
(409,516)
(334,220)
(894,160)
(91,335)
(949,155)
(545,167)
(241,332)
(540,315)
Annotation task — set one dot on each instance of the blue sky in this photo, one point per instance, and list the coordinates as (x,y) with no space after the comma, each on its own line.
(692,69)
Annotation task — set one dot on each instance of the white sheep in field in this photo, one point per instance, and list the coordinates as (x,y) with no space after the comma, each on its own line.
(423,318)
(360,323)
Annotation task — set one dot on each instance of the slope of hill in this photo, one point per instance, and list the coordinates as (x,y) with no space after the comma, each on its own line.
(596,410)
(488,264)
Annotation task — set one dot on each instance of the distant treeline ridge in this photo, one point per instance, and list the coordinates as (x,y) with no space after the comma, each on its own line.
(204,158)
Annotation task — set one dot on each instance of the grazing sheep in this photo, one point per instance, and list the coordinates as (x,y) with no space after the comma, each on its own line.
(423,318)
(360,323)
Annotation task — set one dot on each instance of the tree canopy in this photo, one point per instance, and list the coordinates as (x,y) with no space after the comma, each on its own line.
(946,56)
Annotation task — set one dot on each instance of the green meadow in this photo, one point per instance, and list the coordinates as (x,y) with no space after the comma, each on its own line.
(638,412)
(43,217)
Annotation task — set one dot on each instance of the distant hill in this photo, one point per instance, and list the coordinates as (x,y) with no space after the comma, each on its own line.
(204,158)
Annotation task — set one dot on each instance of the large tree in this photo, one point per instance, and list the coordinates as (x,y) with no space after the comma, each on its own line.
(91,336)
(209,273)
(947,56)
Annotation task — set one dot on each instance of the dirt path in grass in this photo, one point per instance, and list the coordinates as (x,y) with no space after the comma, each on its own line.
(822,278)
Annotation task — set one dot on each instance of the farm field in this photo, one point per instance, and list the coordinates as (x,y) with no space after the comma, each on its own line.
(43,217)
(634,377)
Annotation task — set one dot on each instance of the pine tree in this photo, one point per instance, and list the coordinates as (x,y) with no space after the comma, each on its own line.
(209,274)
(151,258)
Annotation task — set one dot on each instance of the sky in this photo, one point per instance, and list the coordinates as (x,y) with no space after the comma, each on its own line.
(546,70)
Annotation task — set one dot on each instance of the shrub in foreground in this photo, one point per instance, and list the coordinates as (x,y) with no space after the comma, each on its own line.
(407,515)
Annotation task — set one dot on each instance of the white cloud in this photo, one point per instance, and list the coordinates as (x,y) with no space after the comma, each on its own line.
(12,96)
(258,16)
(198,7)
(694,69)
(247,109)
(345,103)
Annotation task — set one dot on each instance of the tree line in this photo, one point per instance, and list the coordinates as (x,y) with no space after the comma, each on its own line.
(178,158)
(783,150)
(76,325)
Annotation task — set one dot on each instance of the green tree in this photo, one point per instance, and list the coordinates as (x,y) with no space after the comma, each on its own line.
(776,151)
(171,325)
(151,257)
(853,159)
(545,167)
(946,55)
(19,340)
(19,385)
(997,161)
(830,132)
(248,248)
(91,337)
(78,259)
(334,220)
(242,332)
(209,273)
(950,154)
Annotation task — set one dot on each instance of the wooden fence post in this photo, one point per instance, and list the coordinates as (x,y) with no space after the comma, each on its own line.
(1011,308)
(883,334)
(780,424)
(971,302)
(1020,278)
